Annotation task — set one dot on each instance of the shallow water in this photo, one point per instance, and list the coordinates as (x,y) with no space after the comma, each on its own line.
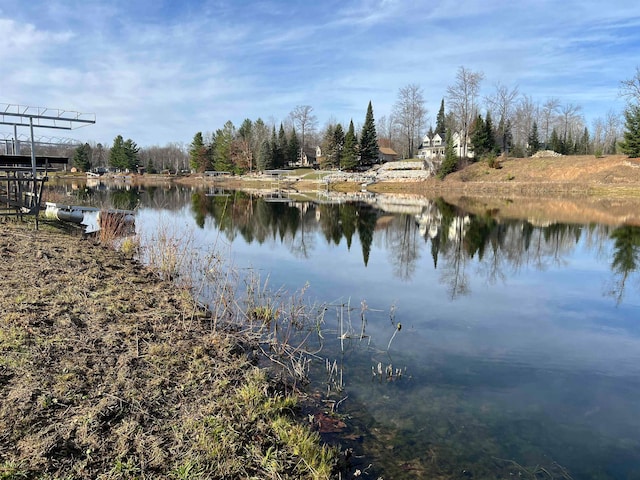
(518,346)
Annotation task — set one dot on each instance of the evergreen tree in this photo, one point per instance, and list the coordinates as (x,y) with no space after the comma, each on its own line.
(131,151)
(440,122)
(222,149)
(533,141)
(448,165)
(283,147)
(349,159)
(584,144)
(276,153)
(369,151)
(555,143)
(338,144)
(482,136)
(479,138)
(198,154)
(505,137)
(265,158)
(82,158)
(329,148)
(293,149)
(490,145)
(117,155)
(631,140)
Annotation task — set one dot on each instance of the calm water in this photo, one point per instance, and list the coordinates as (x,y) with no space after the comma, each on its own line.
(519,344)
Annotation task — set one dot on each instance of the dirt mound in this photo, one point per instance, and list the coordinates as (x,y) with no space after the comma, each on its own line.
(580,170)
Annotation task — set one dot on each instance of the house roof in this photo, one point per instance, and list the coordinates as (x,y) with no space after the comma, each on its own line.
(387,151)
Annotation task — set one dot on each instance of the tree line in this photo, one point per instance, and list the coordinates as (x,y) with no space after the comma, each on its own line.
(503,121)
(257,147)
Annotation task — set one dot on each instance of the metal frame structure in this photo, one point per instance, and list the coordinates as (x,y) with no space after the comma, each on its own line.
(23,180)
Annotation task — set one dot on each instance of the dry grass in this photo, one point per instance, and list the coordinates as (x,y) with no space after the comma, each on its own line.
(105,372)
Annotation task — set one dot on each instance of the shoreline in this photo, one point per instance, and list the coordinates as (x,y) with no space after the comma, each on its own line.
(614,176)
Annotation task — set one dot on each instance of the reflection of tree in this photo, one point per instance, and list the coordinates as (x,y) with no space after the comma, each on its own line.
(626,256)
(330,222)
(348,219)
(367,217)
(454,273)
(303,242)
(124,199)
(402,243)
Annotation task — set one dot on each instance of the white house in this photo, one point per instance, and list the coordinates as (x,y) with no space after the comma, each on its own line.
(432,148)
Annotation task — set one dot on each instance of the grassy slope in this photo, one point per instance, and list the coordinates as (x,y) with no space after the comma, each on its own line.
(107,372)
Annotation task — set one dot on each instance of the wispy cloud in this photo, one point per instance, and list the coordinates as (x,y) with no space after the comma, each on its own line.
(159,71)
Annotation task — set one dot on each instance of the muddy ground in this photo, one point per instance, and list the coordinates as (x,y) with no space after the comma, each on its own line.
(106,371)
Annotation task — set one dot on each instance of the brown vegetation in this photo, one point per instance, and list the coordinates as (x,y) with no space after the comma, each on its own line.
(108,372)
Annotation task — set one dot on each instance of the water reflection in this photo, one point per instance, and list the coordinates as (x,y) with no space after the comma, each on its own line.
(448,234)
(530,363)
(626,257)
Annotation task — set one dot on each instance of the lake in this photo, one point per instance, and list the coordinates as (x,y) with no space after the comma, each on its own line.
(489,348)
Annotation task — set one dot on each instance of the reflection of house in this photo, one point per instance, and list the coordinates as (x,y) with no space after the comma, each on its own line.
(387,155)
(434,147)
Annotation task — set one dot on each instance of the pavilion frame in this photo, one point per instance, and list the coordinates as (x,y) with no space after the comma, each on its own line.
(24,186)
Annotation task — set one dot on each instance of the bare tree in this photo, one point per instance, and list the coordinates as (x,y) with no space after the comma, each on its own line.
(461,98)
(303,118)
(612,131)
(410,115)
(630,89)
(549,111)
(386,129)
(526,113)
(502,105)
(569,115)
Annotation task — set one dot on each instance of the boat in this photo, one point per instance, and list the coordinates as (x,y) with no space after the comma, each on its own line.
(90,217)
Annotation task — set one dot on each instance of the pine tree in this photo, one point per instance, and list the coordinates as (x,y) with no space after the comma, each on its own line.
(198,154)
(555,143)
(222,150)
(506,137)
(631,143)
(82,158)
(293,149)
(369,151)
(450,159)
(131,154)
(276,152)
(338,144)
(533,140)
(490,145)
(283,147)
(349,159)
(117,155)
(265,158)
(440,122)
(585,143)
(479,137)
(328,148)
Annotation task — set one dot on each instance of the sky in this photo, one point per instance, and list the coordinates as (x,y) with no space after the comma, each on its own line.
(158,71)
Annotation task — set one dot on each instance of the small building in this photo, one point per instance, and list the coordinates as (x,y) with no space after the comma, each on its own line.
(387,155)
(309,157)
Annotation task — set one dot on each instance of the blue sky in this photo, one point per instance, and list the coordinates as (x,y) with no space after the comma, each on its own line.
(158,71)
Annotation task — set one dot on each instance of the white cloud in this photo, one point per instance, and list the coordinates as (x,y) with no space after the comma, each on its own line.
(197,65)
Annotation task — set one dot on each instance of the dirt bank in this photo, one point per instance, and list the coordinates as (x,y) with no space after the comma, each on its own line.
(108,372)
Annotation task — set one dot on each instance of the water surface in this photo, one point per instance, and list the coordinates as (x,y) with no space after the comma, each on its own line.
(518,341)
